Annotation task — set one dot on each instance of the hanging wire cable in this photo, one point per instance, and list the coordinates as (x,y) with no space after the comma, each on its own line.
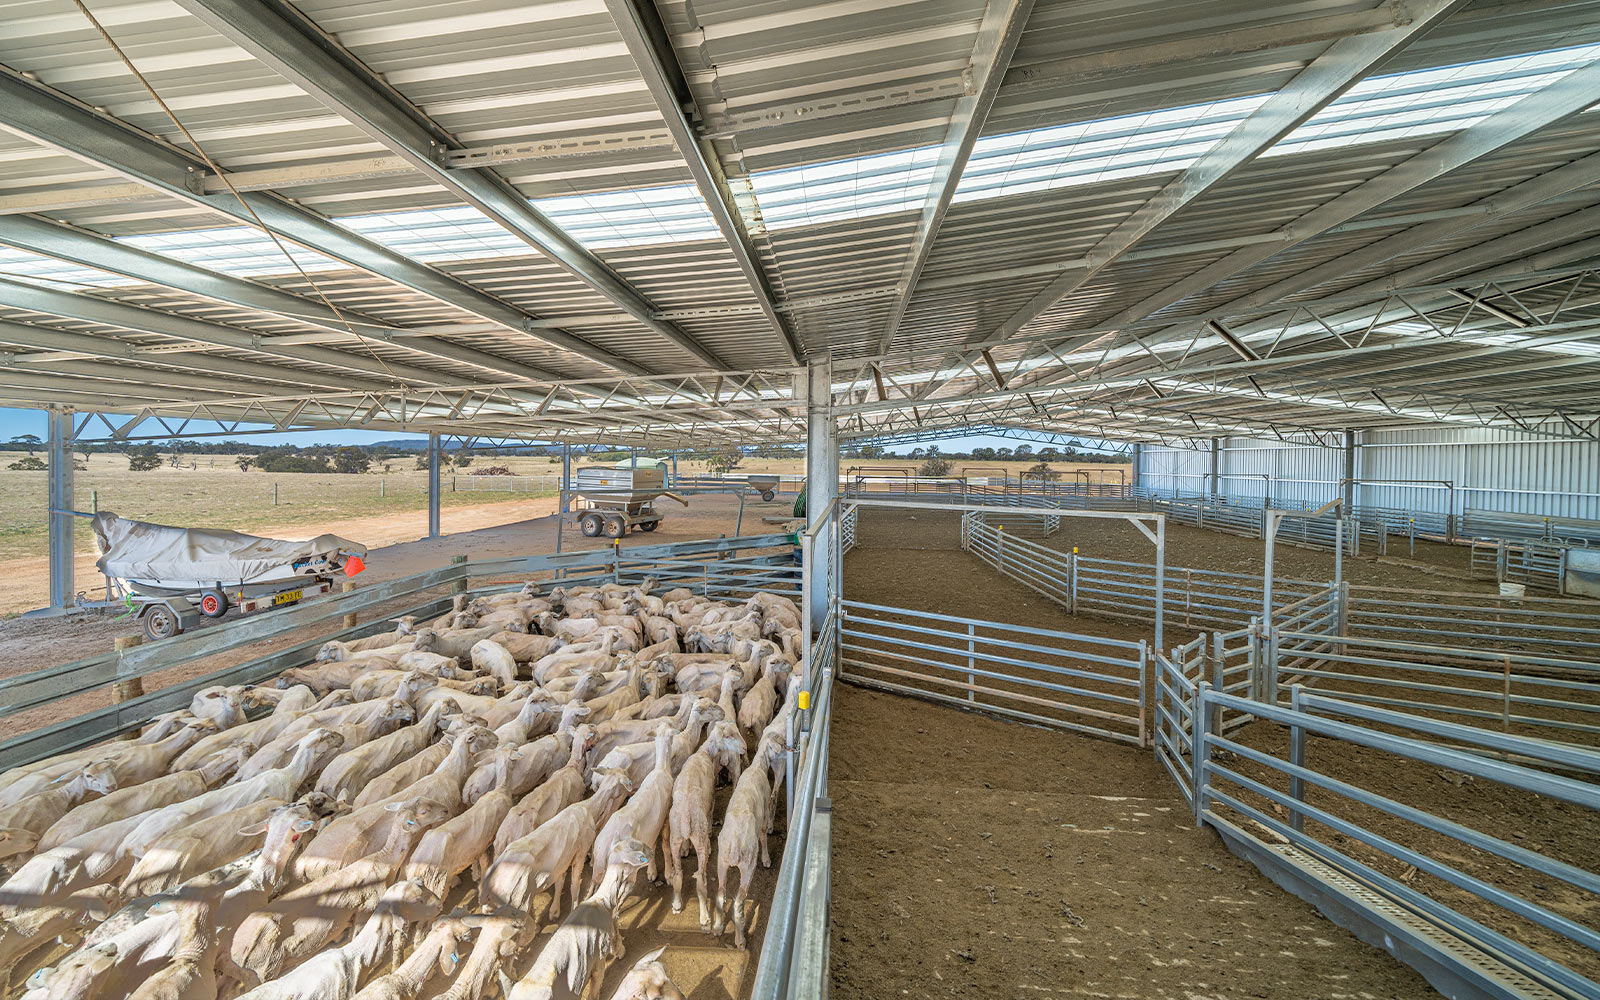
(212,166)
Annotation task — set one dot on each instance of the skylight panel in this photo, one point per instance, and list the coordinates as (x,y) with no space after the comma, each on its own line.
(1431,101)
(233,250)
(840,190)
(38,269)
(636,217)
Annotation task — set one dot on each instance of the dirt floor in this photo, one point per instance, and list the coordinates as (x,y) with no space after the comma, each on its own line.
(978,858)
(914,561)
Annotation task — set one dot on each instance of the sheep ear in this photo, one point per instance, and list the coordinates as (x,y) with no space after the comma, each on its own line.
(302,825)
(653,956)
(255,829)
(394,807)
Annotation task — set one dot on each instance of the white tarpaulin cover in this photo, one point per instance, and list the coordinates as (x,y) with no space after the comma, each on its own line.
(139,550)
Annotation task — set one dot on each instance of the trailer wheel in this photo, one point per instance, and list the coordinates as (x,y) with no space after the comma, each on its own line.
(590,525)
(649,525)
(616,527)
(213,603)
(159,622)
(768,495)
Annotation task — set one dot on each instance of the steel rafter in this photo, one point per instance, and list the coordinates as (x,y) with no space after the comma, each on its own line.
(647,42)
(283,39)
(998,34)
(1322,82)
(50,119)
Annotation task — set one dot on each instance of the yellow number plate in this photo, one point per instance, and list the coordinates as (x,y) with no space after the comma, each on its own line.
(287,597)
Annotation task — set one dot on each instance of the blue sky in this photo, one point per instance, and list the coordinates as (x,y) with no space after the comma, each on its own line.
(14,422)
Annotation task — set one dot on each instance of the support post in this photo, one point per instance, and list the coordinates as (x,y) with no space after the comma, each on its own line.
(1297,757)
(460,586)
(1216,467)
(1200,756)
(566,477)
(1348,491)
(971,648)
(1138,468)
(822,480)
(433,484)
(350,616)
(1161,581)
(59,448)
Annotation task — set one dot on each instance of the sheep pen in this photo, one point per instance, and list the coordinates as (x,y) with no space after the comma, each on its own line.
(563,781)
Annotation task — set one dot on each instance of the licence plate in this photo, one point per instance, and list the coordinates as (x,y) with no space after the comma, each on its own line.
(287,597)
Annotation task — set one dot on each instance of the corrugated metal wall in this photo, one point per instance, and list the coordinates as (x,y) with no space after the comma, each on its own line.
(1486,469)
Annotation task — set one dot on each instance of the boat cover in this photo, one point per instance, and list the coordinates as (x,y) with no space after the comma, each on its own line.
(139,550)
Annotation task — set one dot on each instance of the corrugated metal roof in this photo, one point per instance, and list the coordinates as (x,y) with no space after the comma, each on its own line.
(825,119)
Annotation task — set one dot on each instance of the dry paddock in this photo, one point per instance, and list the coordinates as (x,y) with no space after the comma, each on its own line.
(976,857)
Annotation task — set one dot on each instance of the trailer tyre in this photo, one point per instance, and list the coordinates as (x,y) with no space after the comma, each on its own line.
(213,603)
(589,524)
(616,527)
(650,525)
(768,495)
(159,622)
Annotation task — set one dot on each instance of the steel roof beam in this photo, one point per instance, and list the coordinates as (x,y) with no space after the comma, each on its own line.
(1322,82)
(1568,96)
(642,32)
(998,34)
(38,114)
(287,42)
(64,243)
(70,305)
(60,341)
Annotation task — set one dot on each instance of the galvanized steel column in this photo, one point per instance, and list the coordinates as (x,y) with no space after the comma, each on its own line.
(1138,465)
(59,449)
(822,480)
(433,484)
(566,477)
(1216,466)
(1348,486)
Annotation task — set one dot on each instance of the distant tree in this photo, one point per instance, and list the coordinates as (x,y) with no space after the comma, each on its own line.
(422,461)
(935,464)
(983,454)
(870,451)
(1049,454)
(351,460)
(1042,471)
(244,462)
(28,464)
(143,458)
(388,467)
(723,461)
(292,462)
(27,441)
(1002,454)
(1023,452)
(917,453)
(463,458)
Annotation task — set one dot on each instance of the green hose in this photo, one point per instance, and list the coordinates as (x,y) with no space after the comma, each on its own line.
(800,503)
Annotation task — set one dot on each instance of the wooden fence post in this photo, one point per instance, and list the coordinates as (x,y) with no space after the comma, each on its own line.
(131,688)
(460,586)
(350,616)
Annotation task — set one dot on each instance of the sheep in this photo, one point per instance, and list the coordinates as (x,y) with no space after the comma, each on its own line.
(223,705)
(645,814)
(743,838)
(303,920)
(207,843)
(500,942)
(65,920)
(336,974)
(538,715)
(491,658)
(439,952)
(574,961)
(527,648)
(360,723)
(689,817)
(464,841)
(359,833)
(538,761)
(453,642)
(22,825)
(293,707)
(558,847)
(354,768)
(648,980)
(554,794)
(120,804)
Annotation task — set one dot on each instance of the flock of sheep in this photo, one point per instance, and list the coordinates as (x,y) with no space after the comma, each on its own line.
(408,798)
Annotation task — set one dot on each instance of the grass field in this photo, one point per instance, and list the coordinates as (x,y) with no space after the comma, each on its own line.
(216,494)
